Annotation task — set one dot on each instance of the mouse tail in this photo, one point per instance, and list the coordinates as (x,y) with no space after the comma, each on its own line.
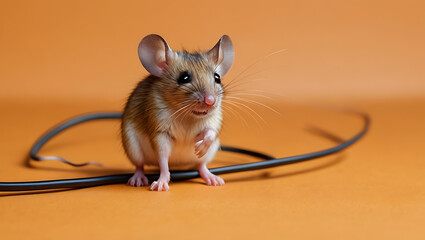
(56,158)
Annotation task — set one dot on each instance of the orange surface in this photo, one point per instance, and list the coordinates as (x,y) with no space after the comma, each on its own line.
(59,59)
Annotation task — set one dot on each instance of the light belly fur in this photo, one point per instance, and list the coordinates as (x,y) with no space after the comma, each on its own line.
(182,154)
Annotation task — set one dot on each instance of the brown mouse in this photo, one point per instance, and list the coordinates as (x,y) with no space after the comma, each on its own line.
(173,117)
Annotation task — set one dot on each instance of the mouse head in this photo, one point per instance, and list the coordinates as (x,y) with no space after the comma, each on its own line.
(188,80)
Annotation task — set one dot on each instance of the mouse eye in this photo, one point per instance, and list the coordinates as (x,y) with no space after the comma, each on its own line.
(185,77)
(217,78)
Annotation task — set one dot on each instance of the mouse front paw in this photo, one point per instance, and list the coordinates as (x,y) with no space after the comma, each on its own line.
(203,142)
(201,147)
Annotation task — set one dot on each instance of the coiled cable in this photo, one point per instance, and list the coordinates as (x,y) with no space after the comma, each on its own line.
(174,175)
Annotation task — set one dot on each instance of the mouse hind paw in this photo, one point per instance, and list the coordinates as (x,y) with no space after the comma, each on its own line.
(209,178)
(138,179)
(213,180)
(159,186)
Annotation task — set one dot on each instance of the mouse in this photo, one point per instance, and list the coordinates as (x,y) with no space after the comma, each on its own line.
(173,117)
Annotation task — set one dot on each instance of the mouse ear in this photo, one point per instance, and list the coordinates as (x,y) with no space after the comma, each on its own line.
(155,54)
(223,54)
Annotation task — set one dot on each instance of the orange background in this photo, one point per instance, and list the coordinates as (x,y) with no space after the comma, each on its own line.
(62,58)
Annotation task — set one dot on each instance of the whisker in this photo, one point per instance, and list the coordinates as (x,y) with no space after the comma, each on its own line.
(240,83)
(251,94)
(252,110)
(231,110)
(248,112)
(182,108)
(255,91)
(185,101)
(253,101)
(259,60)
(186,111)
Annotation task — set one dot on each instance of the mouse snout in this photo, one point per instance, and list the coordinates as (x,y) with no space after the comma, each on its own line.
(205,104)
(209,100)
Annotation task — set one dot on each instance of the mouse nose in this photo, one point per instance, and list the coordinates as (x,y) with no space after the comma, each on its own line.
(209,100)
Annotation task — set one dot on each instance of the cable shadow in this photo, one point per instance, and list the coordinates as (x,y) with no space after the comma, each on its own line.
(324,133)
(36,192)
(266,175)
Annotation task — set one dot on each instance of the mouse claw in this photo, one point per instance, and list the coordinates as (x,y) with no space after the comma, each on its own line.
(202,147)
(198,143)
(159,186)
(154,185)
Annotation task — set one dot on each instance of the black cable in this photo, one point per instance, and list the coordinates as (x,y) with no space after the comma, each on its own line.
(175,175)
